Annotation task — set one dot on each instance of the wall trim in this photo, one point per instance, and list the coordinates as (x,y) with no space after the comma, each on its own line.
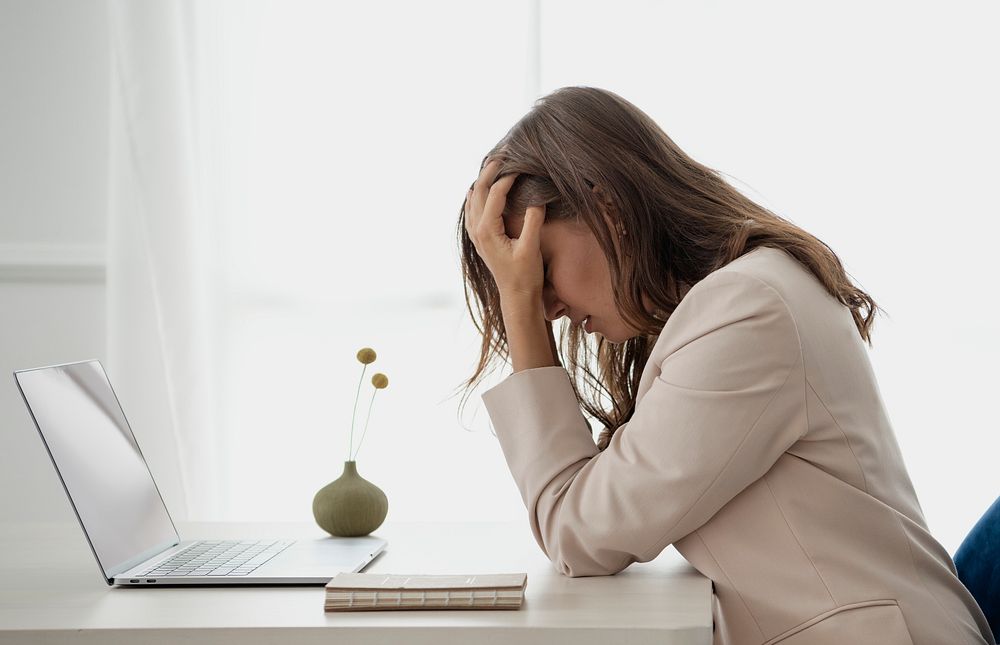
(52,262)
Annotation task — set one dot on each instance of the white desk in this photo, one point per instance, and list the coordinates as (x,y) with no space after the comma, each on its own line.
(665,601)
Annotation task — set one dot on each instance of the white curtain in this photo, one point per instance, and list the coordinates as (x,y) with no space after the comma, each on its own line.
(286,181)
(161,279)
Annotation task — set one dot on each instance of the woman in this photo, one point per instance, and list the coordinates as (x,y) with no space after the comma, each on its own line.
(746,426)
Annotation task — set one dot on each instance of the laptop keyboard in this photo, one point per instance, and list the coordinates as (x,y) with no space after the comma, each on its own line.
(219,558)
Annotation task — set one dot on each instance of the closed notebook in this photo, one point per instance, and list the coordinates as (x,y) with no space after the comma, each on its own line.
(377,591)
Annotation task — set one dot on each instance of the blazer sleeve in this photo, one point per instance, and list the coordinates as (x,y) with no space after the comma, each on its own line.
(726,400)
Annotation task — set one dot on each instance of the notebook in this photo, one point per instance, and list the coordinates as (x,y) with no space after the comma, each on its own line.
(378,591)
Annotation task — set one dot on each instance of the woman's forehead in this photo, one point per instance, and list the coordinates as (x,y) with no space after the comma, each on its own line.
(566,236)
(554,232)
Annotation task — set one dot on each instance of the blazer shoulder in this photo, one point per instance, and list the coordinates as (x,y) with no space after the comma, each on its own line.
(777,269)
(736,299)
(764,277)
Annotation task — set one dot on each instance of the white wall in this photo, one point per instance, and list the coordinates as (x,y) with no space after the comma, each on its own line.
(53,156)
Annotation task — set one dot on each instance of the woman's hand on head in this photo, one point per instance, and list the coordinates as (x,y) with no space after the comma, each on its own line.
(516,263)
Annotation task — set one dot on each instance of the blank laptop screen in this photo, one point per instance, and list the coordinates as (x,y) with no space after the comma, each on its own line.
(104,473)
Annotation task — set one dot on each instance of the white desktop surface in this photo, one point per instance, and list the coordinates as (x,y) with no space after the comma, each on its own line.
(51,591)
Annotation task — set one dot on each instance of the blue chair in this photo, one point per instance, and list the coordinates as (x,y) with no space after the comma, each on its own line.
(978,563)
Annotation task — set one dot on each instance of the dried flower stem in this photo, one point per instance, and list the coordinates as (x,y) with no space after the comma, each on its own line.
(350,445)
(366,423)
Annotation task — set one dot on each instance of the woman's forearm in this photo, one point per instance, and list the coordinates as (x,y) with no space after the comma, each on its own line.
(528,334)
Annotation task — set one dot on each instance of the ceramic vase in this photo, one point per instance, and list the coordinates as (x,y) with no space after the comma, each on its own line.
(350,506)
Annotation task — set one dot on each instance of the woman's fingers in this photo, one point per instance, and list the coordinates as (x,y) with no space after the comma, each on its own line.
(516,264)
(531,230)
(481,188)
(473,204)
(485,202)
(490,223)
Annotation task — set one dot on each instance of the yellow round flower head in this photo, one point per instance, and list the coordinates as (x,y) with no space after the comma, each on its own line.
(366,355)
(380,381)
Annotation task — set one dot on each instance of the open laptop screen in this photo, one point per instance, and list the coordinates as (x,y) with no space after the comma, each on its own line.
(97,458)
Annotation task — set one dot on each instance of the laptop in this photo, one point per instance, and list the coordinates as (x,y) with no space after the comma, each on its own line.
(120,509)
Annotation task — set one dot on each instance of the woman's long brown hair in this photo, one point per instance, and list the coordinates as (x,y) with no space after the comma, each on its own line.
(590,156)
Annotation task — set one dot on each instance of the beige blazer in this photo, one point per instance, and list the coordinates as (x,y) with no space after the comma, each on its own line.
(761,449)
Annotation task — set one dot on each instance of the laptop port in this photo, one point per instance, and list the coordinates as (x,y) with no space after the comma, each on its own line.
(150,579)
(133,581)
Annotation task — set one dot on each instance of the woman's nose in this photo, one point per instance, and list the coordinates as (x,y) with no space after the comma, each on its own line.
(553,308)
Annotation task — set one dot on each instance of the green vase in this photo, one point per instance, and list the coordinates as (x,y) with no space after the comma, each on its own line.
(350,506)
